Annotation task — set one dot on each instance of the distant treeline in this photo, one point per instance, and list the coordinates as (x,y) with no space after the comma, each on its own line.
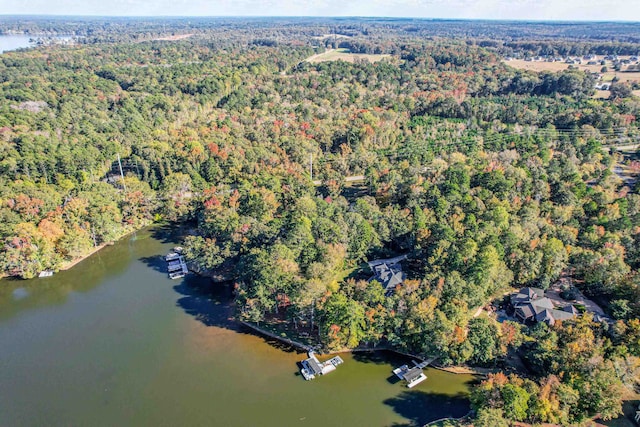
(565,48)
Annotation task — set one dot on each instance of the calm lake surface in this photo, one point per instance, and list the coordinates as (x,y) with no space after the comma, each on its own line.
(13,42)
(113,341)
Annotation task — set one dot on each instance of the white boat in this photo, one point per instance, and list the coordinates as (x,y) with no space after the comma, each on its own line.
(172,256)
(176,275)
(399,371)
(46,273)
(306,374)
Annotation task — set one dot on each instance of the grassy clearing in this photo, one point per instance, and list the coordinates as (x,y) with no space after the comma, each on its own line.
(331,36)
(174,37)
(344,55)
(559,66)
(602,94)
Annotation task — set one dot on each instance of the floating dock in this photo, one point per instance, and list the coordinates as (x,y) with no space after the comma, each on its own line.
(413,376)
(46,273)
(312,366)
(176,265)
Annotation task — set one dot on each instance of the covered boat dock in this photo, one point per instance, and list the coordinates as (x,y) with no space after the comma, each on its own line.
(413,376)
(312,366)
(176,265)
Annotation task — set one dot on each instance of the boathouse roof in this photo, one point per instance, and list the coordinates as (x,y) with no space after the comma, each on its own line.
(314,365)
(412,374)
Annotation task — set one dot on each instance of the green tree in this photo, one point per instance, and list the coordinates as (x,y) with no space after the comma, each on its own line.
(483,336)
(490,417)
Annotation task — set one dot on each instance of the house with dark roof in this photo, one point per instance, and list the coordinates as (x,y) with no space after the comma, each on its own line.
(531,305)
(388,272)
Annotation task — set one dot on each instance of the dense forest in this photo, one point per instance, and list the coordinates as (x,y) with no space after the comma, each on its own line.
(488,178)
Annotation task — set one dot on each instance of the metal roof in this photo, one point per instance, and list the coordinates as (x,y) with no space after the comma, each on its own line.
(314,365)
(412,374)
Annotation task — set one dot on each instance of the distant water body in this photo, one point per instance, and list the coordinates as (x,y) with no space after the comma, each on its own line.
(11,42)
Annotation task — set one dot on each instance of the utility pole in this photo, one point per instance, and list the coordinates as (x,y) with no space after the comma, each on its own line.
(122,174)
(311,166)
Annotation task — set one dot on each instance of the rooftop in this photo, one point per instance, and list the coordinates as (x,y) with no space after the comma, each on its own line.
(388,272)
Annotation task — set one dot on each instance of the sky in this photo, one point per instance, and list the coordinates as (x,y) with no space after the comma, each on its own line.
(599,10)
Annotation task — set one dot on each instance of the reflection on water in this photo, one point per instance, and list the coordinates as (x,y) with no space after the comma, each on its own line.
(20,293)
(113,341)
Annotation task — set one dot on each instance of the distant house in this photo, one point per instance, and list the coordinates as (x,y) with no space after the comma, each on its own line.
(532,306)
(388,272)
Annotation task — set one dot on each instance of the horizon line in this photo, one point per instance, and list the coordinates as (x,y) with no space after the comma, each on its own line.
(425,18)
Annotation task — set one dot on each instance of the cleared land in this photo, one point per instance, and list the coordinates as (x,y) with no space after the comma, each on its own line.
(623,76)
(331,36)
(344,55)
(175,37)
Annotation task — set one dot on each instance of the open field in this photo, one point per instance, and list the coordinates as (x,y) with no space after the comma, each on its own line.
(559,66)
(602,94)
(331,36)
(344,55)
(175,37)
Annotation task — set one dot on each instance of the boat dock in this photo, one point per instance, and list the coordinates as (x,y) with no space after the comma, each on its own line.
(413,376)
(176,265)
(312,366)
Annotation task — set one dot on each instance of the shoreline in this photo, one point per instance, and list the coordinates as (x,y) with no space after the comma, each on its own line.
(296,344)
(70,264)
(269,334)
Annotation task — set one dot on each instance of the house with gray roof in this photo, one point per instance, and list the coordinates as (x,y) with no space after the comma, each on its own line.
(388,272)
(531,305)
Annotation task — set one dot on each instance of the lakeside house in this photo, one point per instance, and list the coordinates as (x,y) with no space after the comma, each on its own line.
(532,306)
(388,272)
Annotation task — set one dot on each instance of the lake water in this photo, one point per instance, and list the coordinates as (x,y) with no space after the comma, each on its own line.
(13,42)
(113,341)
